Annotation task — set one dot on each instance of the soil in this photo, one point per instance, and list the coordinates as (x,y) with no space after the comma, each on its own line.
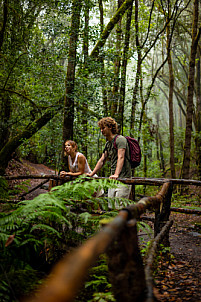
(25,167)
(177,279)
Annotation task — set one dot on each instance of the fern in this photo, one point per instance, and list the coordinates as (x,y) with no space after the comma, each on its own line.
(141,225)
(45,228)
(85,217)
(3,188)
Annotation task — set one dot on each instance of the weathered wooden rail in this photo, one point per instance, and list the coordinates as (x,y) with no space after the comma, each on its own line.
(56,179)
(131,279)
(133,180)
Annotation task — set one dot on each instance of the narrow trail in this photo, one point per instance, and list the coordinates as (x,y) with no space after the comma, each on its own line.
(37,169)
(179,280)
(24,167)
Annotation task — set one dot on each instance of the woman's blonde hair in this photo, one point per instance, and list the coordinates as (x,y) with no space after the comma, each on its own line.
(72,143)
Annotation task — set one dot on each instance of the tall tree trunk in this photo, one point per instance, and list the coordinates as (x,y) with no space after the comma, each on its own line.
(117,63)
(162,161)
(70,75)
(198,116)
(145,149)
(102,71)
(170,102)
(86,55)
(189,109)
(124,67)
(5,19)
(138,72)
(5,114)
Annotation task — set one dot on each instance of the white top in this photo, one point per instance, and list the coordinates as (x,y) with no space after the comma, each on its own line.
(74,166)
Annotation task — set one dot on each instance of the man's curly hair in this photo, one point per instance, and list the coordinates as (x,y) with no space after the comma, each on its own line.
(109,122)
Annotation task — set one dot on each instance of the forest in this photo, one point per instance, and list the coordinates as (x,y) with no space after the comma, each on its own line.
(64,65)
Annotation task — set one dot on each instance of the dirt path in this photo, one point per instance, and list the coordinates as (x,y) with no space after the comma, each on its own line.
(180,280)
(24,167)
(37,169)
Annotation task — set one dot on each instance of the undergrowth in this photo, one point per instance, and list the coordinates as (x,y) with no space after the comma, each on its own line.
(35,234)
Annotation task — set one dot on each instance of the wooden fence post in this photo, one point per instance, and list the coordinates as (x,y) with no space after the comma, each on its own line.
(162,214)
(125,266)
(133,192)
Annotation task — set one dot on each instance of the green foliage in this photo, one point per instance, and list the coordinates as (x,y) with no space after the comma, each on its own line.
(102,297)
(26,277)
(191,200)
(43,229)
(39,231)
(20,187)
(3,188)
(145,234)
(83,189)
(163,252)
(144,227)
(97,287)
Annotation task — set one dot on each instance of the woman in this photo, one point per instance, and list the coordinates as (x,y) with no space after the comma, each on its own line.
(77,162)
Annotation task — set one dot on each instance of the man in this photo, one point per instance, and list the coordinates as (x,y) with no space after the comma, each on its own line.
(119,158)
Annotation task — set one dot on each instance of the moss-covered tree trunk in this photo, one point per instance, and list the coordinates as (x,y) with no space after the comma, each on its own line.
(86,55)
(117,63)
(198,116)
(170,102)
(70,75)
(138,72)
(189,109)
(111,24)
(5,113)
(102,69)
(124,67)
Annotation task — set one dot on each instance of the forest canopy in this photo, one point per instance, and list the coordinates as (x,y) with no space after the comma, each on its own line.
(66,64)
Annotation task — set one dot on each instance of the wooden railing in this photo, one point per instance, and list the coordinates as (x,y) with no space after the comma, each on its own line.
(131,279)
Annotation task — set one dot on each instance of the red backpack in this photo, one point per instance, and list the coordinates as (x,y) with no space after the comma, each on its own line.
(134,150)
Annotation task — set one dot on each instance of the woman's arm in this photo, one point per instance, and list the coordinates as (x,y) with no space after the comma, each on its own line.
(64,173)
(81,160)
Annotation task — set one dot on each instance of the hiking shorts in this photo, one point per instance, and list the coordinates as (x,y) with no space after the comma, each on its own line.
(119,192)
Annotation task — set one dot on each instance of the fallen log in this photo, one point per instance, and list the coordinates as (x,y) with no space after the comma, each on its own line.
(186,211)
(33,189)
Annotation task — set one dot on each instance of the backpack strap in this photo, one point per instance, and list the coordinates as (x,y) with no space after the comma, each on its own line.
(114,142)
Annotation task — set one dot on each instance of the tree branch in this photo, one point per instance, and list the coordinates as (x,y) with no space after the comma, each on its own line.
(29,131)
(106,32)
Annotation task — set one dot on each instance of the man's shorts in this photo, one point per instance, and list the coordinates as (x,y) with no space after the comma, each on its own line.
(119,192)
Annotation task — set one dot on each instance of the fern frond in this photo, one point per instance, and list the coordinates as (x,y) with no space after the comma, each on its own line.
(145,227)
(45,227)
(32,240)
(3,236)
(85,216)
